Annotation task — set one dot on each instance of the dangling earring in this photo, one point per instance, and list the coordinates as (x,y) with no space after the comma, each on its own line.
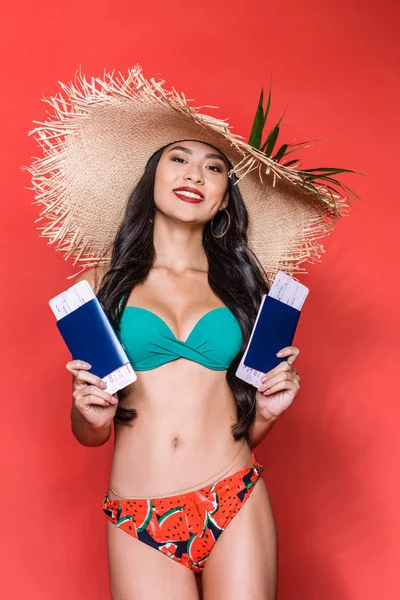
(229,222)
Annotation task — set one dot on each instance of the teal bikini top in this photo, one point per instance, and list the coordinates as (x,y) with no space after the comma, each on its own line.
(213,342)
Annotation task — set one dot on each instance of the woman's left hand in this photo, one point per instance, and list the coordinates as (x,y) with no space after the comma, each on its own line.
(279,386)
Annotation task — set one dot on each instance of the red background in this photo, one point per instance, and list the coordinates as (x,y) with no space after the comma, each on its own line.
(332,461)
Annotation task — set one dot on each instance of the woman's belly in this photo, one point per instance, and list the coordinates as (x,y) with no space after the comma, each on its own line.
(182,435)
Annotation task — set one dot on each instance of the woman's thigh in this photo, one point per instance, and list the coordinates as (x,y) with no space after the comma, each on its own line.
(139,572)
(243,562)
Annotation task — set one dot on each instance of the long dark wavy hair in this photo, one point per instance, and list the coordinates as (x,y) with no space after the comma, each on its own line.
(234,275)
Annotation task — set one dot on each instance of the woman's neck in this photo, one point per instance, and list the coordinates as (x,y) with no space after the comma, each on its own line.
(178,246)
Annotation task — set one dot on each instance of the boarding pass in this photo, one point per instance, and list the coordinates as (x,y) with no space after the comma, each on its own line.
(71,300)
(284,289)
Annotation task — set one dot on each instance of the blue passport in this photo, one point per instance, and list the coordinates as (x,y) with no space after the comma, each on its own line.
(90,336)
(275,329)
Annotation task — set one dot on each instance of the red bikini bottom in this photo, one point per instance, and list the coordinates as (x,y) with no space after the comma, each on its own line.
(185,527)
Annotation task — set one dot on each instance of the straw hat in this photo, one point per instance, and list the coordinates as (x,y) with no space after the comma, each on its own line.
(99,137)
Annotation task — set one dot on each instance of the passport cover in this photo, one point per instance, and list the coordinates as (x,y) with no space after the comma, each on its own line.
(90,336)
(275,330)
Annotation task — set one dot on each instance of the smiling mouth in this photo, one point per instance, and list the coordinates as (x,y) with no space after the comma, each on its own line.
(188,196)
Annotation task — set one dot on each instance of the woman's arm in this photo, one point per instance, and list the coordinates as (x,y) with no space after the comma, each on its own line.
(260,428)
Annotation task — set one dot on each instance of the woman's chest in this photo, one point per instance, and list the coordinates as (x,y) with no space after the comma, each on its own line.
(180,301)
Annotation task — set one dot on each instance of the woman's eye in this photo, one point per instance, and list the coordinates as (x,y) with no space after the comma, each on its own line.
(181,160)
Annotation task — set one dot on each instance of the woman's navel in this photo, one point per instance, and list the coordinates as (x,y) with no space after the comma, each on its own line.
(176,442)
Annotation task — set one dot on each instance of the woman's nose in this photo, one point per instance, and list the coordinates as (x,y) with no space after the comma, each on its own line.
(194,174)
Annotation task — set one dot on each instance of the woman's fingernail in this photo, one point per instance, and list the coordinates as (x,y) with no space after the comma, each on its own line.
(86,365)
(279,353)
(103,385)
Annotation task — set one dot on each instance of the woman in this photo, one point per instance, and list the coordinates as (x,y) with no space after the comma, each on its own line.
(186,428)
(210,221)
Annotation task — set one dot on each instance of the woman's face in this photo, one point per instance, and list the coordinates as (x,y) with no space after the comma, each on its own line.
(201,169)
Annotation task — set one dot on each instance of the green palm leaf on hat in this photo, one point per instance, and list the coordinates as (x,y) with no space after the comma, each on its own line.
(319,180)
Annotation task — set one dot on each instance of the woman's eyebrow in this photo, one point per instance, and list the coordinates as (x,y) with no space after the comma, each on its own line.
(188,151)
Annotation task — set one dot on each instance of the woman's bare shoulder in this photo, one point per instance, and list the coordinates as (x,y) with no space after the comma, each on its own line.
(93,277)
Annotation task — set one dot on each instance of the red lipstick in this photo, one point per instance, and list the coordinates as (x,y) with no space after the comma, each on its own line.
(186,198)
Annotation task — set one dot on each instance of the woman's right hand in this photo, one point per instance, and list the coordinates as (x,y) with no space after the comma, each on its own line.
(95,405)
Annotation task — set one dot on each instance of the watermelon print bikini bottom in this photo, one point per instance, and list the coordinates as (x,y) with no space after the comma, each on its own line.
(185,527)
